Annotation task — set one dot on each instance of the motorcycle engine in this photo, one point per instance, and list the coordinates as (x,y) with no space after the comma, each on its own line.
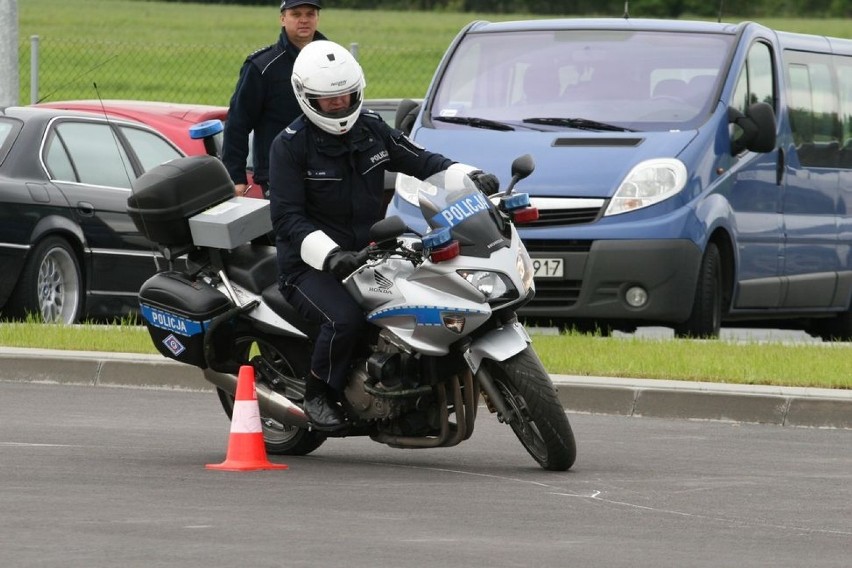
(385,385)
(366,405)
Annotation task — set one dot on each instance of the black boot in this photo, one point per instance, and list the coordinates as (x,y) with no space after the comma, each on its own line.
(325,415)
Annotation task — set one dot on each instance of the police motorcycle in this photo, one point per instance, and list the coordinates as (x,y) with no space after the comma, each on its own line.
(442,308)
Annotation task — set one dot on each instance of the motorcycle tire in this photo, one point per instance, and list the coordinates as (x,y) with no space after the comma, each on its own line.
(288,360)
(539,421)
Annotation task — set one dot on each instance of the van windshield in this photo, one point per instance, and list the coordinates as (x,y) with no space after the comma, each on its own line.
(582,79)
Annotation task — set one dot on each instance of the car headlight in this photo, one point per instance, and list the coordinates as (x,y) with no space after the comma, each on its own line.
(648,183)
(492,285)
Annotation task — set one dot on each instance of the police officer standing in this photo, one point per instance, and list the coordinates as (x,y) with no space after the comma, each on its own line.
(326,190)
(263,100)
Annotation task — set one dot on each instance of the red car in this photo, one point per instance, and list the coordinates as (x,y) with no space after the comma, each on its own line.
(172,120)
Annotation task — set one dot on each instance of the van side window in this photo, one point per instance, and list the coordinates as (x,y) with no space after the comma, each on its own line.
(813,109)
(843,65)
(756,83)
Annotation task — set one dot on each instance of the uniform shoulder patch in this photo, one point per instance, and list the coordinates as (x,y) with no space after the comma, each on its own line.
(370,113)
(256,53)
(262,56)
(294,128)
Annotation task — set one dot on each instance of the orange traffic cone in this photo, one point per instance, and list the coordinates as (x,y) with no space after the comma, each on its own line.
(246,451)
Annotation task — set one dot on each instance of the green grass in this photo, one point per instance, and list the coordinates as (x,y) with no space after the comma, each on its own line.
(120,338)
(823,365)
(187,52)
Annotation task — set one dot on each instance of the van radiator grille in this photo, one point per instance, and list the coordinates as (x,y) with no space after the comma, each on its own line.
(556,217)
(556,245)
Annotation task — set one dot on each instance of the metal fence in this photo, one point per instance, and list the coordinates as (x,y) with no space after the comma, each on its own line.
(52,70)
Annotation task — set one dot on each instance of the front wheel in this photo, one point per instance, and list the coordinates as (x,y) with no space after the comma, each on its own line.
(277,363)
(705,321)
(538,419)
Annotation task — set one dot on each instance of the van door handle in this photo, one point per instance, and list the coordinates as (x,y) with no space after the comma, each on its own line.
(779,167)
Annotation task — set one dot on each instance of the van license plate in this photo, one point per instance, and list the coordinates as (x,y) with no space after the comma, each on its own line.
(548,267)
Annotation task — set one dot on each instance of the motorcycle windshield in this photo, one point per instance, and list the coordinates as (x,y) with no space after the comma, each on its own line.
(450,199)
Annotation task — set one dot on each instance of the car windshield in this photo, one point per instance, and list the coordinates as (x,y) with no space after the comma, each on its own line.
(581,79)
(450,199)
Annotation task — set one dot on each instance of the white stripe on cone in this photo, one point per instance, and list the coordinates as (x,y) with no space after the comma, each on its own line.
(246,417)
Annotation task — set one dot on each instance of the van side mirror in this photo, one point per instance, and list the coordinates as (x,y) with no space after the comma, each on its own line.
(757,127)
(406,113)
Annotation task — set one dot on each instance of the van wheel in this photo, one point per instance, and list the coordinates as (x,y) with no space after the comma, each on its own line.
(705,321)
(50,286)
(838,328)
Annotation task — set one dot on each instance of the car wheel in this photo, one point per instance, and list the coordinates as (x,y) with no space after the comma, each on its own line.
(50,286)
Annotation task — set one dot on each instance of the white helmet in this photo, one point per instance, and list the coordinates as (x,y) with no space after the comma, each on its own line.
(326,69)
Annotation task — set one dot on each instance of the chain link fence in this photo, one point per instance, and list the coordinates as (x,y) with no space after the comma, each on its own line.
(53,70)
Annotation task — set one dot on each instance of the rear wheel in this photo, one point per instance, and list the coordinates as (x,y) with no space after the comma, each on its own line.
(50,286)
(705,321)
(538,419)
(279,365)
(838,328)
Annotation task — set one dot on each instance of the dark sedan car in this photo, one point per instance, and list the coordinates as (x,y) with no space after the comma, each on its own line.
(68,249)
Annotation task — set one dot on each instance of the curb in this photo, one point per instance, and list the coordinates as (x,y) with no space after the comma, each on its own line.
(783,406)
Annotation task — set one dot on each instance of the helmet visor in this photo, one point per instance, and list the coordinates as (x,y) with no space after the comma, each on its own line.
(337,105)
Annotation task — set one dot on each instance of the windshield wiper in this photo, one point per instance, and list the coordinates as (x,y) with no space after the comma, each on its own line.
(475,122)
(581,123)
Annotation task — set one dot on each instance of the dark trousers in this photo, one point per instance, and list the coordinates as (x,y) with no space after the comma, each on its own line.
(320,297)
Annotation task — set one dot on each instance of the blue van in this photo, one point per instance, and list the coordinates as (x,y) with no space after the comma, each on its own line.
(688,174)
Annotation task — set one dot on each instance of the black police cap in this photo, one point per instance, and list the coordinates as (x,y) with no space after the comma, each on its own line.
(285,4)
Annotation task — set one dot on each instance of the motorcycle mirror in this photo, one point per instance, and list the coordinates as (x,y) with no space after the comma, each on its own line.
(206,132)
(522,167)
(388,228)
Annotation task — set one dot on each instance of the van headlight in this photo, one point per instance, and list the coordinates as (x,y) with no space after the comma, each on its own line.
(648,183)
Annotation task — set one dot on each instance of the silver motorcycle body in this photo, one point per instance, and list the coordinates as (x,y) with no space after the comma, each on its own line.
(443,330)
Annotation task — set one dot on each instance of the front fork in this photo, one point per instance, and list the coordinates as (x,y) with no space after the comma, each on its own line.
(498,344)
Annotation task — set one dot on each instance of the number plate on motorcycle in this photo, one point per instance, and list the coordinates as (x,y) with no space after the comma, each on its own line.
(548,267)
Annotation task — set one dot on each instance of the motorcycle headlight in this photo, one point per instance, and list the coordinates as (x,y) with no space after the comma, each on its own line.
(648,183)
(492,285)
(525,269)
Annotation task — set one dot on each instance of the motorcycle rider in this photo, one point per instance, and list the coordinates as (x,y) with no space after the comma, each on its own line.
(326,191)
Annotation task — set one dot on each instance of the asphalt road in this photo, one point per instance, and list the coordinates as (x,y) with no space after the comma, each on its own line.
(104,477)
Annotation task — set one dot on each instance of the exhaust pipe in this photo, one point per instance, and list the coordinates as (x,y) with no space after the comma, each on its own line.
(272,404)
